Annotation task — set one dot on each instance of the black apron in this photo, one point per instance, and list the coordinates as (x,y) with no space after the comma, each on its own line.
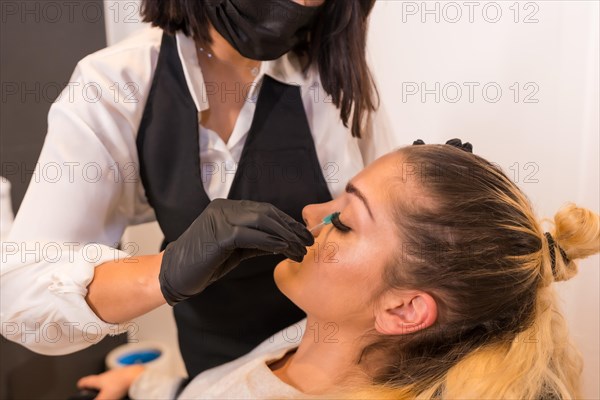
(278,165)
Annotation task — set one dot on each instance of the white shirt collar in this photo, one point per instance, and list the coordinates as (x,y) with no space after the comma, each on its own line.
(285,69)
(191,69)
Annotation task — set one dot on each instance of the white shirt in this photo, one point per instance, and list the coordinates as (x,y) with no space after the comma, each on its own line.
(248,377)
(86,187)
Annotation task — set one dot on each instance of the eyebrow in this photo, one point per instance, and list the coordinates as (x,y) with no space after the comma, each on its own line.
(350,188)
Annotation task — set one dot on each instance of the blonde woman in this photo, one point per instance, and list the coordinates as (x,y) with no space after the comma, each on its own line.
(436,280)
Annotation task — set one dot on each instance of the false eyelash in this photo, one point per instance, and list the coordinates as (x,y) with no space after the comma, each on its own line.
(335,221)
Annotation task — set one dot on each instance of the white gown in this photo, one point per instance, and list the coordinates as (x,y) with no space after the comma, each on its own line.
(247,377)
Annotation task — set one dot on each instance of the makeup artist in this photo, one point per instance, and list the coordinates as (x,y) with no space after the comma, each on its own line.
(265,105)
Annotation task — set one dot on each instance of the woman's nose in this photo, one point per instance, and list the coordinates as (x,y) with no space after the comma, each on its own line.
(313,215)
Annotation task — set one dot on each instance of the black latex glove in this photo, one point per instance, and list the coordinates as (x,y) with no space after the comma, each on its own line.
(227,232)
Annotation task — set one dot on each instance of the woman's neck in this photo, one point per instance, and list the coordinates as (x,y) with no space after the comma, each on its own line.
(226,53)
(327,352)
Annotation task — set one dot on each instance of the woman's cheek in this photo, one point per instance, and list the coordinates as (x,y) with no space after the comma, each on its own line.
(324,252)
(361,260)
(335,268)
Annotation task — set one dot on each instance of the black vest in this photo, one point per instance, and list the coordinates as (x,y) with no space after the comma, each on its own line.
(278,165)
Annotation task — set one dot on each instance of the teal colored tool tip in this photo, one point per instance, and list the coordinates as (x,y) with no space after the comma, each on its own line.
(326,221)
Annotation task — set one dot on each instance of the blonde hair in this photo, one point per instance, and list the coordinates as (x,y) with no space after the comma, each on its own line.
(482,254)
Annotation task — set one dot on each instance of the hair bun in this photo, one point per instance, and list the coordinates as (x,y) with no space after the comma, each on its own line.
(577,232)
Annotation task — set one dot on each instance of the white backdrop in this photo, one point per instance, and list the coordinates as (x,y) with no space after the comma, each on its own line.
(519,80)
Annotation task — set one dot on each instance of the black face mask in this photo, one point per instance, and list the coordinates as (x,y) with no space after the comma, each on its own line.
(259,29)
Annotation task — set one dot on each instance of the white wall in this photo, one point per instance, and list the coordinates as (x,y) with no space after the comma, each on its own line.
(121,18)
(549,141)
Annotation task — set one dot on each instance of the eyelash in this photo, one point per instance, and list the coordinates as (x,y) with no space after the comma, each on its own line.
(335,221)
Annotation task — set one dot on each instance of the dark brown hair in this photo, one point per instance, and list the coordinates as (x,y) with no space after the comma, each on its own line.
(336,44)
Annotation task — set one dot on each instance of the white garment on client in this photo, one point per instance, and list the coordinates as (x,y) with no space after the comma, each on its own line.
(248,377)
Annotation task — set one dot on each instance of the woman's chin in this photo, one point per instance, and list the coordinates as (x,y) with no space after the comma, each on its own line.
(288,263)
(283,267)
(284,273)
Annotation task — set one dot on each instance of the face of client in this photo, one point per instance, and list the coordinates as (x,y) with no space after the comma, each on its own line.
(343,267)
(339,283)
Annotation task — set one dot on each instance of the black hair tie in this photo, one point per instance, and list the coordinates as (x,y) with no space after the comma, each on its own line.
(468,147)
(551,244)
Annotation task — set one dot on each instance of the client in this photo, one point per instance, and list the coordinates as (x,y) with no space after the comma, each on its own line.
(434,281)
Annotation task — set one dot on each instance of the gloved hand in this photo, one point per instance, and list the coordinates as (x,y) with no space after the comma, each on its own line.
(227,232)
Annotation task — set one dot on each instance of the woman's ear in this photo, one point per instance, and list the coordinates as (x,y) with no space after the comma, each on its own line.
(402,312)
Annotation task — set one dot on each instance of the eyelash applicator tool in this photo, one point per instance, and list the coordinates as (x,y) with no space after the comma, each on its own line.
(326,221)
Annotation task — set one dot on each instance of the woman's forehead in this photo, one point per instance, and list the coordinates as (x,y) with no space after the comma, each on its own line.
(382,169)
(379,182)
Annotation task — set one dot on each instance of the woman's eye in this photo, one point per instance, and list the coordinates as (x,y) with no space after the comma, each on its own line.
(335,221)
